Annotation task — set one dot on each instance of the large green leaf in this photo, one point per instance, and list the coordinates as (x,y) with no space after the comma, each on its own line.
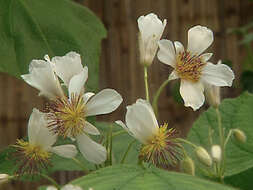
(30,29)
(136,178)
(235,113)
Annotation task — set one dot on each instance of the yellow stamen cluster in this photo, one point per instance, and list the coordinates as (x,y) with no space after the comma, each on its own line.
(31,158)
(162,150)
(67,116)
(189,67)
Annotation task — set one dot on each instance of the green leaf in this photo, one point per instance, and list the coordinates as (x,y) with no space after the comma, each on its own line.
(30,30)
(136,178)
(235,113)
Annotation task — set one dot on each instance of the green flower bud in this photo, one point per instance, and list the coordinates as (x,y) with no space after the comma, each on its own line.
(203,156)
(188,166)
(239,135)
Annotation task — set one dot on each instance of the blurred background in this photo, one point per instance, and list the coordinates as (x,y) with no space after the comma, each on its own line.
(119,67)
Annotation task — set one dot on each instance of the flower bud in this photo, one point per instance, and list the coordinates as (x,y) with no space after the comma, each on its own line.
(239,135)
(213,95)
(4,178)
(203,156)
(151,29)
(188,166)
(216,153)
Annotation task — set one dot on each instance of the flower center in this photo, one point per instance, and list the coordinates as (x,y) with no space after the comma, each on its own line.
(31,158)
(189,67)
(161,149)
(67,116)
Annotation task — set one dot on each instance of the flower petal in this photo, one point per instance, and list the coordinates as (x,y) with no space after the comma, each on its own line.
(150,25)
(66,151)
(71,187)
(67,66)
(38,133)
(91,150)
(124,126)
(217,75)
(87,96)
(90,129)
(192,94)
(51,188)
(42,77)
(179,47)
(76,84)
(173,75)
(106,101)
(205,57)
(199,39)
(141,121)
(166,53)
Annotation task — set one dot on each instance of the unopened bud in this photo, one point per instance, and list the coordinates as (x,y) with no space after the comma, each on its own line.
(4,178)
(188,166)
(216,153)
(239,135)
(213,95)
(203,156)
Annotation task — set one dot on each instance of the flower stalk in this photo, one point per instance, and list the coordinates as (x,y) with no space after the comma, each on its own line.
(146,82)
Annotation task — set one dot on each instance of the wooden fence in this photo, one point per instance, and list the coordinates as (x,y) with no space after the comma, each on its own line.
(119,68)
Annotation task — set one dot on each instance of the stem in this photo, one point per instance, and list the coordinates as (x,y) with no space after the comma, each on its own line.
(118,133)
(127,151)
(187,142)
(51,180)
(81,165)
(222,143)
(110,146)
(146,82)
(156,97)
(228,137)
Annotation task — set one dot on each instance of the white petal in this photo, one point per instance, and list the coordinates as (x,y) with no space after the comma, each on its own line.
(42,77)
(199,39)
(166,53)
(123,126)
(179,47)
(67,150)
(173,75)
(141,121)
(106,101)
(91,150)
(90,129)
(192,94)
(206,56)
(77,82)
(38,133)
(217,75)
(67,66)
(150,25)
(87,96)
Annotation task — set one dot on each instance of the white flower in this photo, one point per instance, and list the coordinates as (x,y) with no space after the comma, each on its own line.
(68,115)
(192,67)
(37,151)
(42,77)
(159,146)
(151,29)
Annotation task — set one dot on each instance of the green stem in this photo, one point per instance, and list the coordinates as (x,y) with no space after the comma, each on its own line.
(81,165)
(187,142)
(110,146)
(222,143)
(118,133)
(51,180)
(228,137)
(157,95)
(127,151)
(146,82)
